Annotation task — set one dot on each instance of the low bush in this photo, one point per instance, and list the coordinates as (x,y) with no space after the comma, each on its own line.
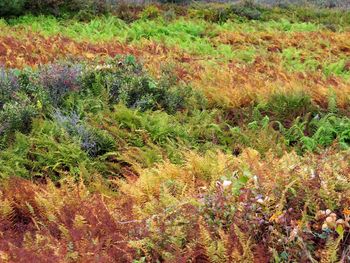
(128,83)
(15,116)
(60,79)
(12,7)
(59,7)
(127,12)
(95,142)
(174,1)
(286,107)
(9,85)
(247,9)
(150,12)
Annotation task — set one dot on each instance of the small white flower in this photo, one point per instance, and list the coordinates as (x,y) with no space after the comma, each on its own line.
(226,183)
(260,201)
(313,174)
(100,67)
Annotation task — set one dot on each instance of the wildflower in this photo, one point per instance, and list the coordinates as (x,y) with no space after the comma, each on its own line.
(324,226)
(102,67)
(260,201)
(226,184)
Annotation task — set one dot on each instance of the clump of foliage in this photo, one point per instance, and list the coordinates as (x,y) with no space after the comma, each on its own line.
(16,108)
(15,116)
(95,142)
(11,7)
(59,80)
(286,107)
(9,85)
(247,9)
(128,83)
(58,7)
(150,12)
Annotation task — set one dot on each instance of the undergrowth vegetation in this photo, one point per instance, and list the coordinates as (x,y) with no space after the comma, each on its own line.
(170,133)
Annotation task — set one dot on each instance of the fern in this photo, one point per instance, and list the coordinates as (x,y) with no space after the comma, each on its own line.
(331,251)
(247,254)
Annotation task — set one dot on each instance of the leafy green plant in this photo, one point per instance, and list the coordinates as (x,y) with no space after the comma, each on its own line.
(14,117)
(12,7)
(150,12)
(128,83)
(95,142)
(58,80)
(9,85)
(247,9)
(285,107)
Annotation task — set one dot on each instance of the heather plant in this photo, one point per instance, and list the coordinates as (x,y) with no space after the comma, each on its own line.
(9,85)
(95,142)
(15,116)
(61,7)
(60,79)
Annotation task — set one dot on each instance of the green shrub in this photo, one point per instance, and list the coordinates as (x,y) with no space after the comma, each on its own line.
(14,161)
(60,7)
(320,131)
(247,9)
(12,7)
(150,12)
(129,84)
(15,116)
(9,85)
(126,12)
(330,128)
(212,13)
(93,141)
(286,107)
(45,6)
(174,1)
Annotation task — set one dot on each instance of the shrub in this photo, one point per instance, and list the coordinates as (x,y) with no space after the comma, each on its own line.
(286,107)
(127,12)
(128,83)
(150,12)
(88,6)
(94,142)
(9,84)
(247,9)
(59,79)
(12,7)
(174,1)
(211,13)
(45,6)
(59,7)
(15,116)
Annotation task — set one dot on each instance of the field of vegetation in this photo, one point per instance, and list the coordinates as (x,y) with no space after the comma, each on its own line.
(174,133)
